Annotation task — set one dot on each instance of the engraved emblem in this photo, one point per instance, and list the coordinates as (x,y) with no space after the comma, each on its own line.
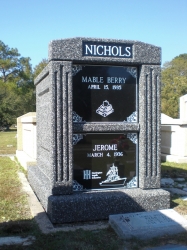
(87,174)
(105,109)
(113,179)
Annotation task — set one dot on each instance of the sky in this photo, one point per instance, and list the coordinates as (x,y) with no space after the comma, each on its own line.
(29,25)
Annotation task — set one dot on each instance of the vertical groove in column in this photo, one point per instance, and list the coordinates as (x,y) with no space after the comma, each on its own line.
(67,115)
(154,126)
(55,125)
(65,131)
(146,125)
(157,124)
(70,126)
(151,122)
(59,125)
(149,125)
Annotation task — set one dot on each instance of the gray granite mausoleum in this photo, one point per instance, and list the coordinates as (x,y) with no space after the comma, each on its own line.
(98,130)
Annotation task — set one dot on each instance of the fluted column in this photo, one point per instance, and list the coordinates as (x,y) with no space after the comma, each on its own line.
(149,119)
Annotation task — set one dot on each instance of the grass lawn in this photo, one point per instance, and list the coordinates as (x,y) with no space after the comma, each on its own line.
(13,202)
(176,170)
(8,142)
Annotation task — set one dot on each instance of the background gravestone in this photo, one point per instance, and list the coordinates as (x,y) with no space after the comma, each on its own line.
(98,125)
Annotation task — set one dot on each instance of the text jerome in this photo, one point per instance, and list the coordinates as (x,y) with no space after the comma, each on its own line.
(105,147)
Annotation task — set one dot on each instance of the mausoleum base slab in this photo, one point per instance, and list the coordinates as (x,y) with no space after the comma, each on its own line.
(95,205)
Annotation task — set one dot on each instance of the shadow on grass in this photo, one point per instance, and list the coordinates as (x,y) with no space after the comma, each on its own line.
(20,227)
(174,170)
(71,240)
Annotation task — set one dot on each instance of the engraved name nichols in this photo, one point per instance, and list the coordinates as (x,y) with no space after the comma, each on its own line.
(107,49)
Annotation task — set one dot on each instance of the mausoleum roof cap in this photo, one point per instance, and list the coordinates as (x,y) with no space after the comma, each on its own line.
(71,49)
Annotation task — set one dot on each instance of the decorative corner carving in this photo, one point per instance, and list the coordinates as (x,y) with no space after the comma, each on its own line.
(76,117)
(77,138)
(132,117)
(77,186)
(76,69)
(132,183)
(133,137)
(132,71)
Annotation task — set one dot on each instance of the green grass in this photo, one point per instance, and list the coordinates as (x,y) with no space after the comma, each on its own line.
(174,170)
(8,142)
(13,202)
(179,205)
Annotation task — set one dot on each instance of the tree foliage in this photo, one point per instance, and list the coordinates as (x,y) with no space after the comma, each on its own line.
(38,68)
(10,63)
(174,84)
(17,92)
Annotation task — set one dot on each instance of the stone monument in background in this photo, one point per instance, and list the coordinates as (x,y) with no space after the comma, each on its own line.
(98,130)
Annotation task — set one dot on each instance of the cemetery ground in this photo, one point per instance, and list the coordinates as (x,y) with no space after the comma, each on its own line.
(16,219)
(8,142)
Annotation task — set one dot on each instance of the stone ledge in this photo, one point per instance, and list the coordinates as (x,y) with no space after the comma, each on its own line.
(98,205)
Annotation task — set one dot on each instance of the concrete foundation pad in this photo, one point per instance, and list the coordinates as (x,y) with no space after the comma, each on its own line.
(146,225)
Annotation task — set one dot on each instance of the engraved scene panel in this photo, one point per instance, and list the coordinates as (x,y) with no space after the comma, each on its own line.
(104,161)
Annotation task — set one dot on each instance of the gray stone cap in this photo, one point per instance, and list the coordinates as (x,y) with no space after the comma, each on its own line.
(106,127)
(71,50)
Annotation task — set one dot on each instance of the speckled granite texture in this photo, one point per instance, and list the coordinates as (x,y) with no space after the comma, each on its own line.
(52,178)
(99,205)
(71,50)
